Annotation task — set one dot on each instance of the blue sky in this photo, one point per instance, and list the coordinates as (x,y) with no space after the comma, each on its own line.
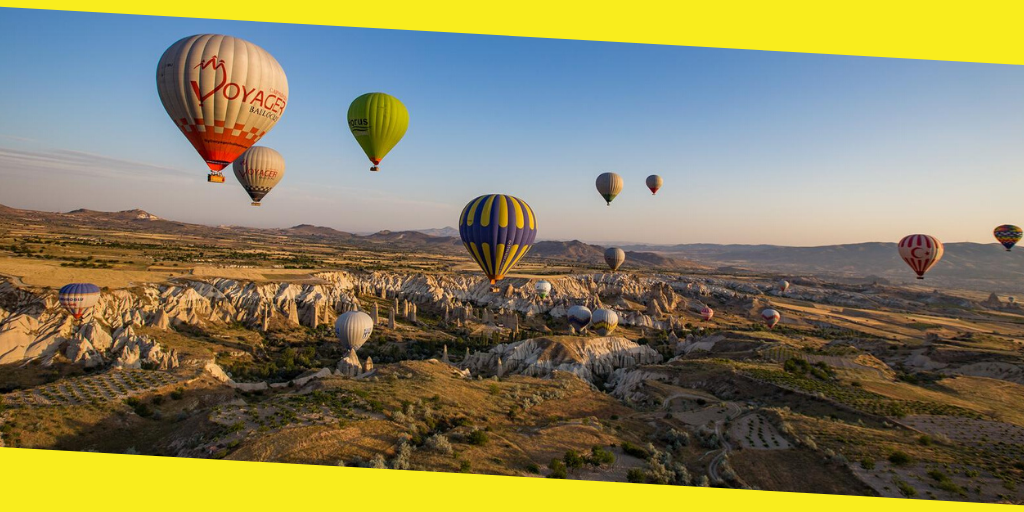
(754,147)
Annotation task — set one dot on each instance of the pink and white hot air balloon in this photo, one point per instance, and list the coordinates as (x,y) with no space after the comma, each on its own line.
(921,252)
(770,317)
(706,313)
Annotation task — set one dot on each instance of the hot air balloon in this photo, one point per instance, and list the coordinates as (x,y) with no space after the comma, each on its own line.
(1008,235)
(783,285)
(706,313)
(353,328)
(223,93)
(543,289)
(921,252)
(609,185)
(78,298)
(770,317)
(579,317)
(654,183)
(497,230)
(1011,299)
(605,321)
(377,121)
(614,257)
(258,170)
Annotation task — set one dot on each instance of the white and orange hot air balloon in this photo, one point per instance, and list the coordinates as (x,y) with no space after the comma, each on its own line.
(706,313)
(921,252)
(258,170)
(223,93)
(770,317)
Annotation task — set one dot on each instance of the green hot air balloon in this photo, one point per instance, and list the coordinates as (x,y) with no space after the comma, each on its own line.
(378,121)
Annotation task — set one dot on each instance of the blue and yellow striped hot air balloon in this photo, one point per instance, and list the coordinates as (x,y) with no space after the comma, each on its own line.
(498,231)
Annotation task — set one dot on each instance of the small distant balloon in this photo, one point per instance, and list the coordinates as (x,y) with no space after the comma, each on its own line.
(770,317)
(579,317)
(259,169)
(78,298)
(609,185)
(1011,299)
(353,328)
(1008,235)
(783,286)
(654,183)
(605,321)
(614,257)
(921,252)
(706,313)
(543,288)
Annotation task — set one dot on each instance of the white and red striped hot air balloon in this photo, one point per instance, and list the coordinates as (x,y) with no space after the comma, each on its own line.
(223,93)
(770,317)
(921,252)
(706,313)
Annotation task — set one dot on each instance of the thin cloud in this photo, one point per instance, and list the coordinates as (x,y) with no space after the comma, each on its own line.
(47,164)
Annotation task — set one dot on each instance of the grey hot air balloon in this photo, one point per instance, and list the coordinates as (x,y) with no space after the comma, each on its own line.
(579,317)
(783,286)
(614,257)
(259,169)
(605,321)
(654,183)
(770,317)
(353,328)
(609,185)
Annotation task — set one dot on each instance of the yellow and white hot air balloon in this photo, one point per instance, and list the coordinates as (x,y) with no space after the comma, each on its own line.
(258,170)
(223,93)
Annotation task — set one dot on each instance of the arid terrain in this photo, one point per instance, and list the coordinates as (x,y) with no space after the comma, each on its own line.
(218,342)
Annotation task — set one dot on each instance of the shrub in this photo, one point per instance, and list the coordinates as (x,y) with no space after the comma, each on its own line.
(494,390)
(924,440)
(905,488)
(533,468)
(636,451)
(478,438)
(558,469)
(599,456)
(573,460)
(378,462)
(867,463)
(464,466)
(899,458)
(439,444)
(636,476)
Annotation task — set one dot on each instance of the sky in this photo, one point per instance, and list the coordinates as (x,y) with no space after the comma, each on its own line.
(754,147)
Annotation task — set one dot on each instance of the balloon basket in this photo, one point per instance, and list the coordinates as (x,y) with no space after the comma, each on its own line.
(255,203)
(215,178)
(374,168)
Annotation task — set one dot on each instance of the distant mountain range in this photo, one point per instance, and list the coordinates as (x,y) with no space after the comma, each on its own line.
(985,267)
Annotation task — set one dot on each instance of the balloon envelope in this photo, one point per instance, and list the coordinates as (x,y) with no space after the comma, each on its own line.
(654,183)
(377,121)
(579,317)
(543,288)
(783,285)
(78,298)
(259,169)
(609,185)
(605,321)
(770,317)
(497,230)
(223,93)
(706,313)
(921,252)
(1008,235)
(353,328)
(614,257)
